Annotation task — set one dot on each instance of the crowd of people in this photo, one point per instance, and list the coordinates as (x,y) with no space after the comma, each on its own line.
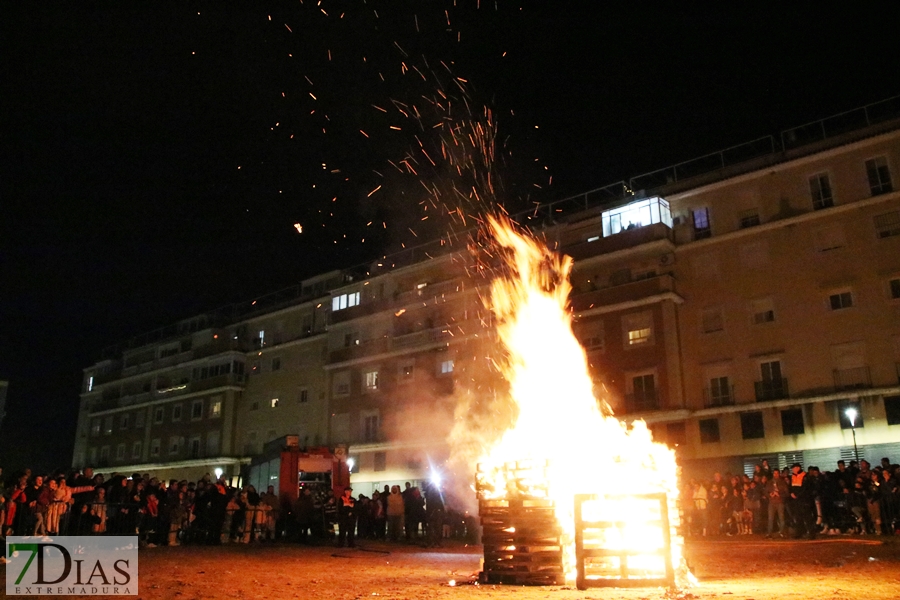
(209,511)
(852,499)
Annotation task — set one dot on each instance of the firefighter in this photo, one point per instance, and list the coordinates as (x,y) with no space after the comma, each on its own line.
(347,518)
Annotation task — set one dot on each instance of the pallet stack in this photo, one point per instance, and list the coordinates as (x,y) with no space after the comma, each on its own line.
(520,532)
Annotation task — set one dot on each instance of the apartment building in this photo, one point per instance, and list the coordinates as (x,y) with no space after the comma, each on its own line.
(746,304)
(203,396)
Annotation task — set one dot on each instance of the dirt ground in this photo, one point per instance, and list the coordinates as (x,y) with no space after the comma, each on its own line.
(749,568)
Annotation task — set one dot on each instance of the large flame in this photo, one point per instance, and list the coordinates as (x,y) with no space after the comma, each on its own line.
(560,422)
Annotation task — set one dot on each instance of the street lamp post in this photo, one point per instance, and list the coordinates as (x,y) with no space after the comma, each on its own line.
(851,415)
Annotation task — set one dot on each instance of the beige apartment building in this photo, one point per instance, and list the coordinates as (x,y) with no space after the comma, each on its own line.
(740,303)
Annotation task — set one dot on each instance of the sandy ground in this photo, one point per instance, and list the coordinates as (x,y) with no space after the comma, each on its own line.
(732,569)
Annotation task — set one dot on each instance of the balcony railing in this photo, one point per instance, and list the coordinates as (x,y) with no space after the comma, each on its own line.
(641,401)
(851,379)
(626,292)
(718,397)
(620,241)
(771,389)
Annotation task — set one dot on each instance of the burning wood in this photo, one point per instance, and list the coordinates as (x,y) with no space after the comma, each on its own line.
(566,442)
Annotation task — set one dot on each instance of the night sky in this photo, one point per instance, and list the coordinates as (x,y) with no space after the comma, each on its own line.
(156,156)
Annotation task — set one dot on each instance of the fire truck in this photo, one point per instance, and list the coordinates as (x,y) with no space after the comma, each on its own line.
(290,468)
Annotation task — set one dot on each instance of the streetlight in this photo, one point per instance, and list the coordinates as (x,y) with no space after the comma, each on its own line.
(851,415)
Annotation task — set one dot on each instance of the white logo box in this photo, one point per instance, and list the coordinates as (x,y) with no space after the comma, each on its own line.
(75,565)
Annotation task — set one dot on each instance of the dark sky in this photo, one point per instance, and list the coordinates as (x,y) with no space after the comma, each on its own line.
(155,156)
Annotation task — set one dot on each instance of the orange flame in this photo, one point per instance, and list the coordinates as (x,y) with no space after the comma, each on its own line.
(560,422)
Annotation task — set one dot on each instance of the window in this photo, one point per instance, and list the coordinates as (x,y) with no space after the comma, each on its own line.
(108,426)
(720,391)
(879,176)
(174,444)
(380,461)
(676,434)
(407,371)
(371,378)
(351,338)
(95,427)
(176,412)
(158,415)
(701,223)
(592,337)
(752,426)
(123,421)
(762,311)
(820,191)
(792,421)
(709,431)
(643,394)
(261,340)
(196,410)
(894,288)
(829,238)
(639,213)
(92,456)
(446,367)
(120,452)
(90,383)
(341,384)
(772,386)
(212,443)
(104,454)
(638,329)
(154,447)
(844,419)
(194,447)
(304,395)
(254,405)
(273,403)
(711,320)
(344,301)
(139,418)
(370,428)
(215,409)
(276,364)
(888,224)
(136,449)
(892,409)
(840,300)
(749,218)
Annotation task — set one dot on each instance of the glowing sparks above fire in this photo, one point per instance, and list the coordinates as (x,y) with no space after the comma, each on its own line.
(560,422)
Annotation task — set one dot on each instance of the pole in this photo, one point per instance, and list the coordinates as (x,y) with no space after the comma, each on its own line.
(855,449)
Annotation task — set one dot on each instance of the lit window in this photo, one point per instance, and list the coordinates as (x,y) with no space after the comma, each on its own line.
(345,301)
(215,409)
(273,403)
(372,380)
(262,338)
(638,329)
(636,214)
(701,223)
(90,383)
(446,367)
(840,300)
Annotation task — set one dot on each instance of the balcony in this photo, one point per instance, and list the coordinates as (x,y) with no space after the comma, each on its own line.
(641,401)
(433,291)
(366,307)
(852,379)
(390,344)
(628,238)
(627,292)
(713,398)
(771,389)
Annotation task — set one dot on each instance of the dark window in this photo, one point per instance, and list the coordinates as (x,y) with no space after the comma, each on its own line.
(749,218)
(792,421)
(844,418)
(709,431)
(820,189)
(675,434)
(895,288)
(304,396)
(381,461)
(276,364)
(892,409)
(841,300)
(752,426)
(879,176)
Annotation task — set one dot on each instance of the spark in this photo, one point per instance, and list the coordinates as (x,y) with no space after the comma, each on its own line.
(298,227)
(373,191)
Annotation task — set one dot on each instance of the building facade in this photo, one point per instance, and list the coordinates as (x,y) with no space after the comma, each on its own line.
(740,304)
